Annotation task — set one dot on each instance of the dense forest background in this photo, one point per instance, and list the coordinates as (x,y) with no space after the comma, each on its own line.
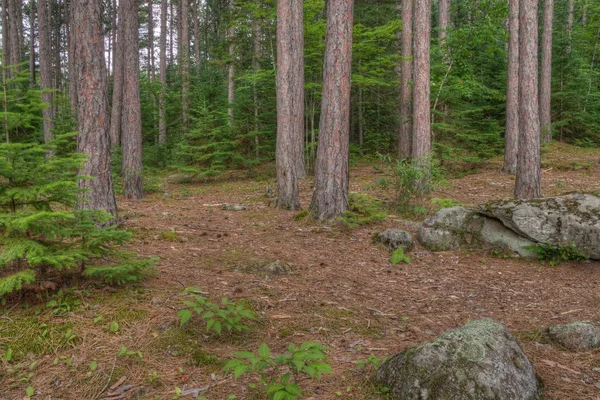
(222,56)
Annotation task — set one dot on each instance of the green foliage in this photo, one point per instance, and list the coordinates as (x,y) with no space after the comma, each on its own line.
(281,374)
(557,254)
(43,233)
(444,203)
(363,210)
(228,315)
(372,361)
(398,257)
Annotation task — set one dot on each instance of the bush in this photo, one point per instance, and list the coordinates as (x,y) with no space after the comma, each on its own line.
(42,233)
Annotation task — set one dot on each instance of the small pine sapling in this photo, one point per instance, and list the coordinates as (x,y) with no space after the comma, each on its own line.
(43,234)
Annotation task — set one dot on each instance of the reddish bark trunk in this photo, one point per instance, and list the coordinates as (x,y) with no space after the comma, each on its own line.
(511,144)
(290,102)
(546,73)
(528,180)
(406,64)
(92,105)
(330,197)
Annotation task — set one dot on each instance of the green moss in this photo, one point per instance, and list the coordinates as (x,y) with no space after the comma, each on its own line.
(29,335)
(169,236)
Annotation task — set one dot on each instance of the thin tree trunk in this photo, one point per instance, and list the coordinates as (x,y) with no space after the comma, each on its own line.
(421,146)
(528,180)
(151,40)
(115,13)
(45,29)
(162,125)
(546,73)
(443,24)
(231,70)
(32,42)
(5,39)
(71,40)
(255,68)
(196,16)
(290,102)
(118,78)
(511,139)
(171,32)
(184,46)
(132,115)
(406,65)
(56,44)
(330,197)
(570,23)
(93,139)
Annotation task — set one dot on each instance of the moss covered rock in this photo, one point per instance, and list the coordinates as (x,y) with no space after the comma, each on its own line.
(479,361)
(577,336)
(571,220)
(460,227)
(395,239)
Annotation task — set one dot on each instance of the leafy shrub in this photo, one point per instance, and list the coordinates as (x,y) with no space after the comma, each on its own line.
(42,232)
(362,210)
(229,315)
(398,256)
(557,254)
(281,374)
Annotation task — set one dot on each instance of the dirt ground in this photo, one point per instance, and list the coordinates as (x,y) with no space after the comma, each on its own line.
(342,292)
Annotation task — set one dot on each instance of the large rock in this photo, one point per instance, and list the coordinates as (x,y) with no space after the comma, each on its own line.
(395,239)
(577,336)
(479,361)
(562,221)
(460,227)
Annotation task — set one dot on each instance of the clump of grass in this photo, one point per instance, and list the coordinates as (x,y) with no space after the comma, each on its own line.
(169,236)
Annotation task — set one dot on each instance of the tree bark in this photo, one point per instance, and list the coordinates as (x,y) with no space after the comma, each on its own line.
(132,114)
(184,46)
(45,52)
(330,197)
(546,73)
(421,146)
(92,105)
(511,139)
(528,179)
(231,69)
(118,78)
(73,81)
(32,42)
(256,53)
(196,16)
(151,40)
(443,23)
(570,23)
(406,64)
(290,102)
(162,125)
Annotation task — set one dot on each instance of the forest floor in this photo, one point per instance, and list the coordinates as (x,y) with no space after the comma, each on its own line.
(342,292)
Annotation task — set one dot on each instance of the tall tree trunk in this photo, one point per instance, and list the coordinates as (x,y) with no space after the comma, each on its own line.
(231,69)
(162,125)
(570,22)
(196,16)
(421,146)
(443,23)
(151,40)
(171,32)
(528,180)
(14,32)
(32,42)
(58,18)
(184,46)
(132,114)
(330,197)
(290,102)
(118,78)
(45,29)
(5,38)
(73,81)
(114,30)
(255,68)
(511,139)
(546,73)
(93,139)
(406,65)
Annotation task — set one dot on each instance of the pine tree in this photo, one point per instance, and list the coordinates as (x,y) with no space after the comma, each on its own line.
(43,236)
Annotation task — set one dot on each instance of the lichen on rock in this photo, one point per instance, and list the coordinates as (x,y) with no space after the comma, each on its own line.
(479,361)
(576,336)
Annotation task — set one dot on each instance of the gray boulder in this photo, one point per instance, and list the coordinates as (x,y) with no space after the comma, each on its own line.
(479,361)
(577,336)
(562,221)
(395,239)
(460,227)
